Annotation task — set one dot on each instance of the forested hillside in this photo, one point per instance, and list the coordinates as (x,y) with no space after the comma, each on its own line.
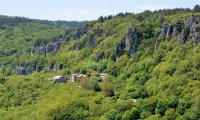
(150,63)
(13,21)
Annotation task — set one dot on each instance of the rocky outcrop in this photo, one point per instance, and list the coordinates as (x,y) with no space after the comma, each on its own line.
(183,37)
(179,26)
(156,46)
(21,70)
(100,57)
(167,30)
(194,35)
(48,48)
(187,29)
(3,68)
(28,69)
(80,32)
(175,31)
(119,50)
(60,67)
(132,40)
(52,47)
(24,70)
(32,51)
(98,32)
(38,68)
(190,21)
(40,42)
(193,32)
(39,50)
(45,46)
(90,41)
(52,67)
(144,22)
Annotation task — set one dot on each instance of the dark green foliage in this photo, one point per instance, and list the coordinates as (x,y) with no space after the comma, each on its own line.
(13,21)
(196,8)
(75,110)
(150,84)
(2,80)
(112,114)
(101,19)
(132,114)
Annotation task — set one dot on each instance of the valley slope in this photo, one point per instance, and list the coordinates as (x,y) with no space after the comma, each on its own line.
(151,61)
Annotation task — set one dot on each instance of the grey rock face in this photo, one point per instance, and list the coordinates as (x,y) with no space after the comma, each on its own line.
(52,47)
(190,21)
(38,68)
(91,42)
(29,69)
(100,57)
(175,32)
(80,32)
(24,70)
(193,31)
(193,22)
(3,67)
(156,46)
(52,67)
(61,66)
(32,51)
(41,50)
(33,67)
(132,40)
(21,70)
(98,32)
(183,37)
(40,42)
(187,28)
(179,26)
(119,49)
(194,34)
(167,30)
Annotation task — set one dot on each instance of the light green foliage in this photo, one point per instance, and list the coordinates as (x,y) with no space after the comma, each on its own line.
(150,85)
(132,114)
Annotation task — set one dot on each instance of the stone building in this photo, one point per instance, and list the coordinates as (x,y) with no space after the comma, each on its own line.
(57,79)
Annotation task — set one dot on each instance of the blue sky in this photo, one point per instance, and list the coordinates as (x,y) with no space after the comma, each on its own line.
(84,9)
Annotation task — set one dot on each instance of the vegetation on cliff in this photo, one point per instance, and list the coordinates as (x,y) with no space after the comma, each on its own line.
(151,59)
